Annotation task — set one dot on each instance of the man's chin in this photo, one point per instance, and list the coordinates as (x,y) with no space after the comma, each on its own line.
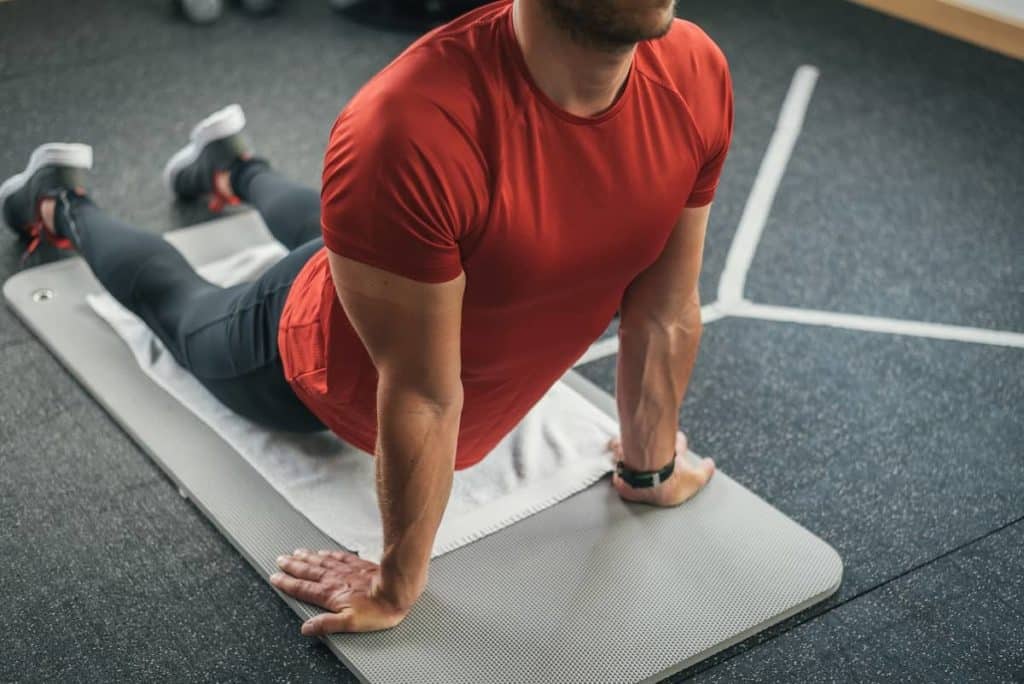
(612,27)
(648,24)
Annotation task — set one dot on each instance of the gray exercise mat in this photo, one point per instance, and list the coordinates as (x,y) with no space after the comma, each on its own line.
(589,590)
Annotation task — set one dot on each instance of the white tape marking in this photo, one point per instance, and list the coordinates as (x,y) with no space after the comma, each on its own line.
(762,194)
(892,326)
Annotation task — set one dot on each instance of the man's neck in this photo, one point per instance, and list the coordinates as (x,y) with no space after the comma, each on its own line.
(582,80)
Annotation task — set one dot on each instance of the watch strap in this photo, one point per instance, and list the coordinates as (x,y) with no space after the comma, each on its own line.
(643,479)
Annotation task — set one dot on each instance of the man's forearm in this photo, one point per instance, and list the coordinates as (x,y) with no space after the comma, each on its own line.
(415,462)
(656,359)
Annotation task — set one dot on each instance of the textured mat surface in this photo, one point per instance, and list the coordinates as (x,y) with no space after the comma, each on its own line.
(590,590)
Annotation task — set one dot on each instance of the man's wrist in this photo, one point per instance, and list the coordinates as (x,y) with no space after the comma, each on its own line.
(400,589)
(641,479)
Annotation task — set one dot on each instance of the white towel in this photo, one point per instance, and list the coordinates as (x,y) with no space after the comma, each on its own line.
(557,450)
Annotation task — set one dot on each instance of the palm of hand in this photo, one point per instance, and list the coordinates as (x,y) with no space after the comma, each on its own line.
(341,583)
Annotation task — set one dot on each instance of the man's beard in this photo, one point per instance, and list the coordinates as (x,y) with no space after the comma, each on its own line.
(606,25)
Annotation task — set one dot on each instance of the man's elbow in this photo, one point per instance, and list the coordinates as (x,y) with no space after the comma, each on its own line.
(443,398)
(448,402)
(685,323)
(445,403)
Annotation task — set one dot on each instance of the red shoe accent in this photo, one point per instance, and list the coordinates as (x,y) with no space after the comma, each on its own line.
(59,242)
(218,200)
(36,231)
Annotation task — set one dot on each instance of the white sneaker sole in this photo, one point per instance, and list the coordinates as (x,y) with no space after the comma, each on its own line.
(221,124)
(74,155)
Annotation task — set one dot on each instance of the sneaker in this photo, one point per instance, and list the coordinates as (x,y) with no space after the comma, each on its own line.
(52,168)
(215,144)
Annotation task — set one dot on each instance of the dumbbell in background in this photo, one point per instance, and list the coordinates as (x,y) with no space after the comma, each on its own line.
(207,11)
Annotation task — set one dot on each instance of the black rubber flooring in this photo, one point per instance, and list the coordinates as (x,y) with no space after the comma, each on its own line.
(904,198)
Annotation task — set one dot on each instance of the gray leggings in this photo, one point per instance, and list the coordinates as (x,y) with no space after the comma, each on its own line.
(226,337)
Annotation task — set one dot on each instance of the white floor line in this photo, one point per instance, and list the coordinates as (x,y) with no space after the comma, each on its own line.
(762,194)
(891,326)
(709,313)
(610,345)
(741,253)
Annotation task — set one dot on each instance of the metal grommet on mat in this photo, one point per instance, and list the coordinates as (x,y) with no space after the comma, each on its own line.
(43,295)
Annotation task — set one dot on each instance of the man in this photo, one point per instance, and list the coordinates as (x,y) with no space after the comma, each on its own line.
(489,200)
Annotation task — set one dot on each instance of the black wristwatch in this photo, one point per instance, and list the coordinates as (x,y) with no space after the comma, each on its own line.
(642,479)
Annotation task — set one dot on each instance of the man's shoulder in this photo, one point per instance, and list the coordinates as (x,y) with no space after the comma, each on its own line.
(685,59)
(432,103)
(447,71)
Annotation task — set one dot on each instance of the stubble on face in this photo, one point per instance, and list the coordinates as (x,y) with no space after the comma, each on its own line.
(611,24)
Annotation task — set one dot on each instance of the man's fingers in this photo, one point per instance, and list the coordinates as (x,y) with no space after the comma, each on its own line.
(300,568)
(351,560)
(331,561)
(304,590)
(708,466)
(681,444)
(341,560)
(328,623)
(311,557)
(615,446)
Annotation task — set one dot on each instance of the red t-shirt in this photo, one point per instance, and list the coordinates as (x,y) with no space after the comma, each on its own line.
(451,159)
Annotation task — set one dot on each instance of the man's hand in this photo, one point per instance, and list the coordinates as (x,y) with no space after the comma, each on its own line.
(341,583)
(685,481)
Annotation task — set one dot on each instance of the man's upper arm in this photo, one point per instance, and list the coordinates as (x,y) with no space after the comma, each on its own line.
(403,183)
(410,329)
(669,286)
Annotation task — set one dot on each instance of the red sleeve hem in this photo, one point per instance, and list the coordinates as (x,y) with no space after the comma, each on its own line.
(432,273)
(701,198)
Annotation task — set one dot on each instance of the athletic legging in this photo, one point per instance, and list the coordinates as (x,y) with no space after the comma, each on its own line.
(226,337)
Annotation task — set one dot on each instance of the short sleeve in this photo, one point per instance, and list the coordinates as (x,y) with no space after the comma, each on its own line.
(721,126)
(402,184)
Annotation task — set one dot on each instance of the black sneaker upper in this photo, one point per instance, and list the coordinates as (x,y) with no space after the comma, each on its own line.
(196,179)
(20,207)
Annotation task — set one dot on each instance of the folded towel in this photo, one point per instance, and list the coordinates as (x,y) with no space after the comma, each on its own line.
(557,450)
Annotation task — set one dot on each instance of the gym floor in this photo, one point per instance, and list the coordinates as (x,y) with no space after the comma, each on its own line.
(903,199)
